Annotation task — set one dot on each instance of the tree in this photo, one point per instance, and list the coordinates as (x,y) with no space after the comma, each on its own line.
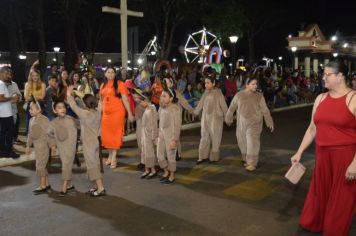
(164,16)
(41,36)
(94,25)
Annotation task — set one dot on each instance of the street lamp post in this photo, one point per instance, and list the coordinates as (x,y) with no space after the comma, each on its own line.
(56,50)
(233,41)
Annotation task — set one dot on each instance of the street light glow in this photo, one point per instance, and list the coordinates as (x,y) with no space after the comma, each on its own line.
(334,38)
(335,54)
(294,49)
(140,61)
(109,60)
(153,53)
(174,60)
(345,45)
(56,49)
(280,58)
(22,57)
(233,39)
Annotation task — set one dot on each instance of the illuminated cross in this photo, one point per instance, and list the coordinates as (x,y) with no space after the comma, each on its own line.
(123,12)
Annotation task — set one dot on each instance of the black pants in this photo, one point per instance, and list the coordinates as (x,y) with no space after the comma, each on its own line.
(17,126)
(6,133)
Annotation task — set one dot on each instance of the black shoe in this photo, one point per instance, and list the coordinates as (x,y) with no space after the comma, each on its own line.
(63,194)
(141,166)
(151,176)
(40,190)
(98,194)
(144,175)
(71,188)
(91,191)
(163,178)
(213,162)
(9,154)
(168,181)
(200,161)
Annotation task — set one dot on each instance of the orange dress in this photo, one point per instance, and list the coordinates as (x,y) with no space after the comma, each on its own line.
(113,117)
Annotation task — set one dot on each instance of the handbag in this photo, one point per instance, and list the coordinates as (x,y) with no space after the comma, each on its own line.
(295,173)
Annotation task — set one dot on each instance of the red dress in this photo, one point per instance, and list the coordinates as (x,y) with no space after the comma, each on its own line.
(113,117)
(331,199)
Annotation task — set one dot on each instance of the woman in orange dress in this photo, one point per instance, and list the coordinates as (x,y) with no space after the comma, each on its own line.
(114,98)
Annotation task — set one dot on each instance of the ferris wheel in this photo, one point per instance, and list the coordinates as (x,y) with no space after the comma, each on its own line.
(198,44)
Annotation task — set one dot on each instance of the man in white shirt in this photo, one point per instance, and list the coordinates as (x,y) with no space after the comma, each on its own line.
(6,118)
(14,90)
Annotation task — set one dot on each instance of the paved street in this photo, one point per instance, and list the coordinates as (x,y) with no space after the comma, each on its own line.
(209,199)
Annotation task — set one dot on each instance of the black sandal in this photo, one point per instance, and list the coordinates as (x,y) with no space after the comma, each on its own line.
(71,188)
(144,175)
(40,190)
(98,194)
(151,176)
(168,181)
(63,194)
(91,191)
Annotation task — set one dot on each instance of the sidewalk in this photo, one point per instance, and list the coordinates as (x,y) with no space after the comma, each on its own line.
(131,137)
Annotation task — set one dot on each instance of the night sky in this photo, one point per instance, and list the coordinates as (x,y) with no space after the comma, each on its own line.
(331,16)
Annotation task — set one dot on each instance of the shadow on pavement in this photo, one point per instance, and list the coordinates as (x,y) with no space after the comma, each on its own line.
(8,178)
(131,218)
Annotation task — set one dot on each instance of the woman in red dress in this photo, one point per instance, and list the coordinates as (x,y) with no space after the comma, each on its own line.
(113,94)
(331,199)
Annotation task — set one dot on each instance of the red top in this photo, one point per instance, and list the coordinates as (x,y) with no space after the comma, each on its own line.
(335,124)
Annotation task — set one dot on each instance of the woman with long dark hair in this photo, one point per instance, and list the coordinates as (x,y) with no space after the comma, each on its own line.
(331,200)
(113,94)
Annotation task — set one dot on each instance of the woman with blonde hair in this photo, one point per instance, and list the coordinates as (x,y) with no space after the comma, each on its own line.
(34,87)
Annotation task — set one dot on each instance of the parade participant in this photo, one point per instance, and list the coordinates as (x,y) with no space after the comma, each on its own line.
(139,109)
(90,126)
(64,130)
(170,122)
(149,134)
(213,108)
(113,94)
(183,103)
(251,108)
(331,200)
(37,136)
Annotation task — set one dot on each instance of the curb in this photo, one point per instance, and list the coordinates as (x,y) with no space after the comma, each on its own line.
(131,137)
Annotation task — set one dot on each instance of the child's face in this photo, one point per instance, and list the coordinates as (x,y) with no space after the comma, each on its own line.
(144,103)
(60,109)
(166,99)
(34,111)
(208,84)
